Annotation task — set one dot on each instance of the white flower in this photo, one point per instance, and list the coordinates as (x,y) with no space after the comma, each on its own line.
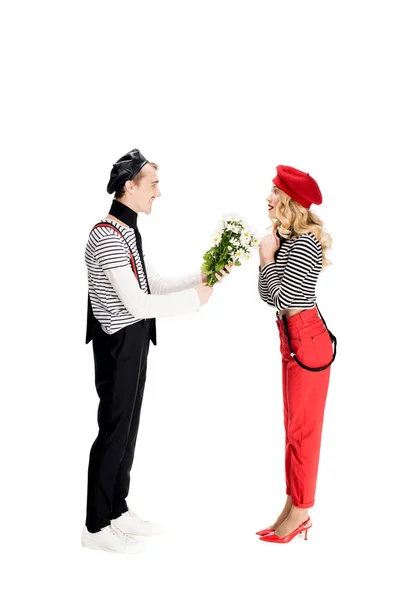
(222,225)
(216,238)
(245,237)
(242,238)
(232,217)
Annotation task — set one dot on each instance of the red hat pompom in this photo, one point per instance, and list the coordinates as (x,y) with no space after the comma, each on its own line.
(300,186)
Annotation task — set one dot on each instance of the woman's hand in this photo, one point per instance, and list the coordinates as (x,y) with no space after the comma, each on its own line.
(224,272)
(268,246)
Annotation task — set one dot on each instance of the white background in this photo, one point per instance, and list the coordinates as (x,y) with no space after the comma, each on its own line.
(218,94)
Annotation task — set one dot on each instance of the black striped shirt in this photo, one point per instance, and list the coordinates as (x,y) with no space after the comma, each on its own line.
(106,249)
(290,281)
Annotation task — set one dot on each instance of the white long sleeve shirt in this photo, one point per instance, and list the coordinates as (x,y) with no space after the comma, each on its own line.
(119,299)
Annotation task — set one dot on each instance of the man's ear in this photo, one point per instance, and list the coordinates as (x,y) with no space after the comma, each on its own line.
(129,185)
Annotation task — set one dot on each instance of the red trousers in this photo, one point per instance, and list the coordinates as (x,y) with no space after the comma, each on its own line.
(304,396)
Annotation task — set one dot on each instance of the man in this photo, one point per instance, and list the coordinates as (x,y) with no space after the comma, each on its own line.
(126,294)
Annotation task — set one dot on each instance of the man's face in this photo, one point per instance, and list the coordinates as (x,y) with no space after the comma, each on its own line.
(141,197)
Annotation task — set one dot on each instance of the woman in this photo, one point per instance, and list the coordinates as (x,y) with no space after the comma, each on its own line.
(291,259)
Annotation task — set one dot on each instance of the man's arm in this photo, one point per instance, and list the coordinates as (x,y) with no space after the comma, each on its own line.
(146,306)
(166,285)
(111,255)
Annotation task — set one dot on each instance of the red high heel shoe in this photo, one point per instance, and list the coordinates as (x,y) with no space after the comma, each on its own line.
(271,530)
(265,531)
(288,538)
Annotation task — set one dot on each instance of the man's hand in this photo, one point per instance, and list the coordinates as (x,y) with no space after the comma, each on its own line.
(268,246)
(204,291)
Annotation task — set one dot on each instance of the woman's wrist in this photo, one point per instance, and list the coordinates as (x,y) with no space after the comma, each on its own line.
(266,261)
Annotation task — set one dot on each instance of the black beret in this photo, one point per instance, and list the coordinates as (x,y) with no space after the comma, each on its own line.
(125,168)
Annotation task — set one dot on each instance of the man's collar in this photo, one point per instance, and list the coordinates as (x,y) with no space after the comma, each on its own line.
(124,213)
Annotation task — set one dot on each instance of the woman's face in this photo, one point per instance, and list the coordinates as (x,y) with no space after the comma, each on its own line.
(273,200)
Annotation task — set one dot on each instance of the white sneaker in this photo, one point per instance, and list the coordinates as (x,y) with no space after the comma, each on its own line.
(111,540)
(131,524)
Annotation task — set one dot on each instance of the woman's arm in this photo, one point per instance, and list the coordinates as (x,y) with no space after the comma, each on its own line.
(263,289)
(304,255)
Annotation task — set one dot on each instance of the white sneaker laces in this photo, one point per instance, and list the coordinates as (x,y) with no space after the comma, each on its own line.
(117,532)
(134,515)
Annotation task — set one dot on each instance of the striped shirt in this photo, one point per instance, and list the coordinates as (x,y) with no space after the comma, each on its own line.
(117,297)
(106,249)
(290,281)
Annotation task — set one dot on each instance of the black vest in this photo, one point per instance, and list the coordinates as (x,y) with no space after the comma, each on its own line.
(128,216)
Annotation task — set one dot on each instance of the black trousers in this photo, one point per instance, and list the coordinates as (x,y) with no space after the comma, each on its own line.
(120,362)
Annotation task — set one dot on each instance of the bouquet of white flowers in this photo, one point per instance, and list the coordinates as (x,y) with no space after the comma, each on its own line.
(232,241)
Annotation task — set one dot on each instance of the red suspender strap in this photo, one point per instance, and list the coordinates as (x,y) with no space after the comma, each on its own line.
(130,253)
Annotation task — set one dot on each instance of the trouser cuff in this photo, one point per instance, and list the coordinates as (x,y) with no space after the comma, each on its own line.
(302,504)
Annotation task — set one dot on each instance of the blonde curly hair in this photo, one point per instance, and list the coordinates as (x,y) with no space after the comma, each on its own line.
(293,220)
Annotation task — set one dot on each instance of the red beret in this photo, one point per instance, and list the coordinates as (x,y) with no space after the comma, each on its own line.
(300,186)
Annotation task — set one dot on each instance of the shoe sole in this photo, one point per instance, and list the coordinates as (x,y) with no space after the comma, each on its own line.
(93,546)
(297,535)
(143,534)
